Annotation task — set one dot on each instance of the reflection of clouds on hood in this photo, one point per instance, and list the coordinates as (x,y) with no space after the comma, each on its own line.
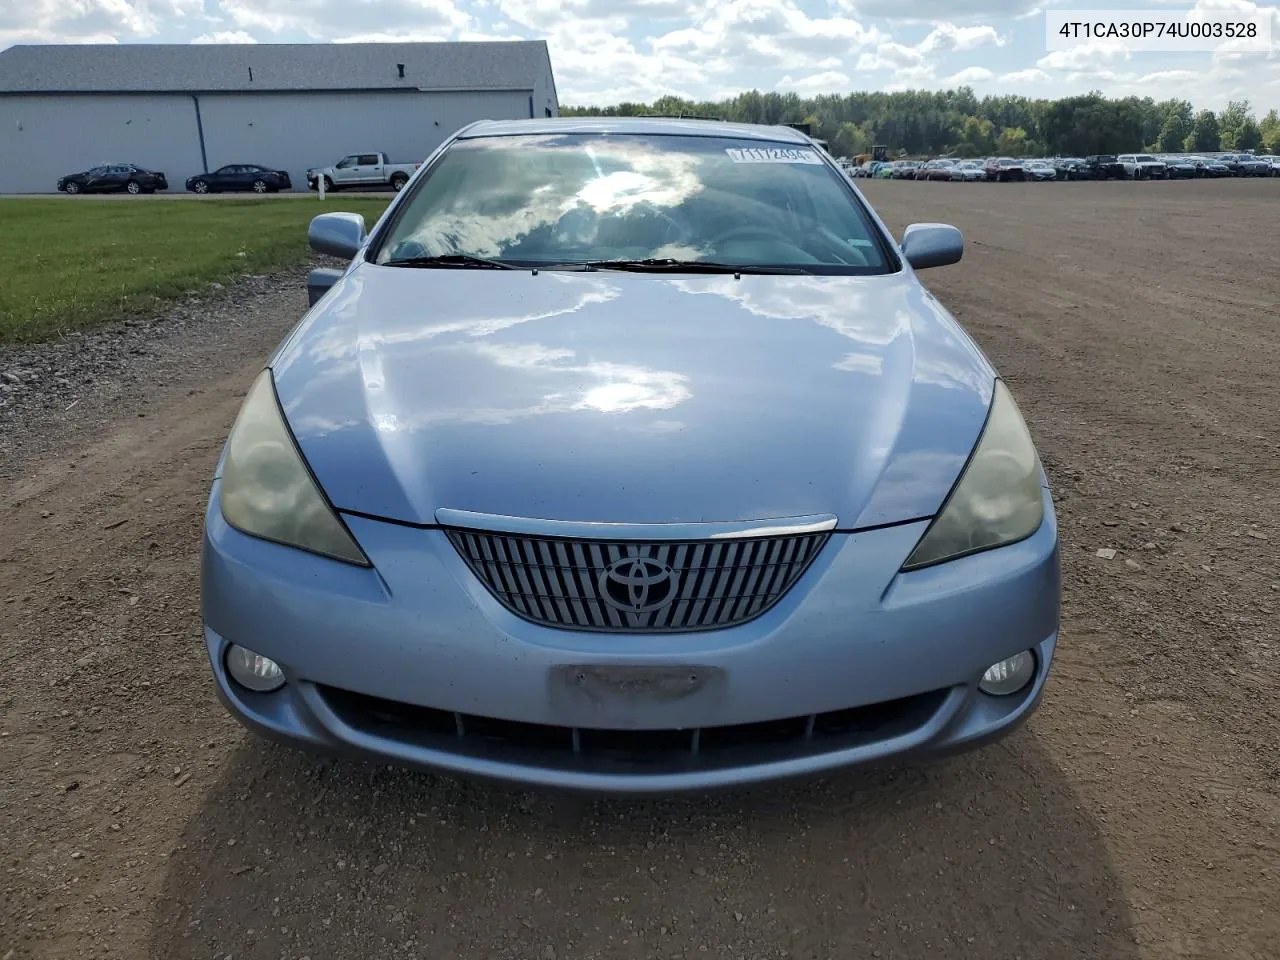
(599,385)
(855,362)
(851,308)
(331,350)
(952,369)
(834,302)
(610,178)
(618,387)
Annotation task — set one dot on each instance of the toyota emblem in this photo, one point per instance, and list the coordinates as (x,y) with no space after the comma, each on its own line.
(637,585)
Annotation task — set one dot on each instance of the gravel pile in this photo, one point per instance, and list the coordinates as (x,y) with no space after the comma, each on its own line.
(49,388)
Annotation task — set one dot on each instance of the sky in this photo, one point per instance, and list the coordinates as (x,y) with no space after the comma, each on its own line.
(606,51)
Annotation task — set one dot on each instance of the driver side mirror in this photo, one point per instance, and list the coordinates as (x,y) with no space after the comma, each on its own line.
(337,234)
(927,245)
(319,282)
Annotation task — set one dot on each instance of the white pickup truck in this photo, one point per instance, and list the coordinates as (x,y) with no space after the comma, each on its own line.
(1143,166)
(362,170)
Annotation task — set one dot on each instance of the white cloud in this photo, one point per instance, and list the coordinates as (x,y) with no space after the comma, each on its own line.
(741,35)
(1024,76)
(224,36)
(393,37)
(607,51)
(326,19)
(947,36)
(1092,55)
(928,10)
(829,81)
(969,76)
(891,56)
(90,21)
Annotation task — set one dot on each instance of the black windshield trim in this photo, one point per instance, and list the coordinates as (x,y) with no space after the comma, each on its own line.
(887,246)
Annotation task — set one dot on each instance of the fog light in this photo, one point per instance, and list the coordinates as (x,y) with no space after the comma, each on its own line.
(1008,676)
(253,670)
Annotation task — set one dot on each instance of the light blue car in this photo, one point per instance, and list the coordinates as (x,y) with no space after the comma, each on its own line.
(629,455)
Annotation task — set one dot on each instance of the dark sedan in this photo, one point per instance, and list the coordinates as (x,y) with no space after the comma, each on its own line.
(1180,168)
(1210,167)
(1251,166)
(1071,168)
(240,176)
(114,178)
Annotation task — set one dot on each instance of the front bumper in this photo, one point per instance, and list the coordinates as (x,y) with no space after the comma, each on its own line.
(414,662)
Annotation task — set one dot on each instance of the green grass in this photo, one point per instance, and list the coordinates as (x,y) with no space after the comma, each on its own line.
(77,262)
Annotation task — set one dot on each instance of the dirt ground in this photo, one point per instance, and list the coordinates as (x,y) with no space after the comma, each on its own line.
(1136,816)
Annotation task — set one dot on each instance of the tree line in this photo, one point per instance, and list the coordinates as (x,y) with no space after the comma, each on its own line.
(958,123)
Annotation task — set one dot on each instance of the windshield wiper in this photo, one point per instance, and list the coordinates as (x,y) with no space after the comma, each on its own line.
(672,265)
(451,260)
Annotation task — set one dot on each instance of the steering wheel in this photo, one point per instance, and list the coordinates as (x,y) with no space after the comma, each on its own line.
(745,232)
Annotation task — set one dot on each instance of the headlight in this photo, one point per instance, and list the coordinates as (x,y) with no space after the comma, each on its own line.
(997,499)
(267,490)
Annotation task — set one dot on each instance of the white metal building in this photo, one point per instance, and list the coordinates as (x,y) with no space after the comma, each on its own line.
(184,109)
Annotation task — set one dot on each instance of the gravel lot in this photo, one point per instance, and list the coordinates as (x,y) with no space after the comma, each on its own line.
(1137,815)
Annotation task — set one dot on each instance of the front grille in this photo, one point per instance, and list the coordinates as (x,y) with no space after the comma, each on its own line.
(633,751)
(636,586)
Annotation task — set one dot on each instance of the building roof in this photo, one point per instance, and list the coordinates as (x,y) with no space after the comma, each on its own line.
(261,67)
(632,125)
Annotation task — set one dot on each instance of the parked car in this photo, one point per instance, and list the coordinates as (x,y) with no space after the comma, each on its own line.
(1274,165)
(114,178)
(905,169)
(1251,166)
(1002,169)
(240,176)
(968,171)
(935,170)
(884,171)
(1230,161)
(1142,166)
(564,592)
(1040,170)
(1070,168)
(371,169)
(1180,168)
(1105,166)
(1209,167)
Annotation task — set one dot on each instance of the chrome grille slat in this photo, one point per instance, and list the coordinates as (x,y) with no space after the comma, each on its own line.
(693,584)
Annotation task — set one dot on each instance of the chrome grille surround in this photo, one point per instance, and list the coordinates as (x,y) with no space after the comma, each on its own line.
(644,578)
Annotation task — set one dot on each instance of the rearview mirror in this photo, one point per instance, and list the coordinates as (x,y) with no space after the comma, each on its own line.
(319,281)
(932,245)
(337,234)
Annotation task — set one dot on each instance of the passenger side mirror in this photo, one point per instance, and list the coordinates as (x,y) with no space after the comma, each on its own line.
(337,234)
(932,245)
(319,281)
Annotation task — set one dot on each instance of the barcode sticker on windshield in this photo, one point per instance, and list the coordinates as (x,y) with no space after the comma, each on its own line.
(772,155)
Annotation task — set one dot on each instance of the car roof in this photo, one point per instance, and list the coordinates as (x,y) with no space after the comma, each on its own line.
(657,126)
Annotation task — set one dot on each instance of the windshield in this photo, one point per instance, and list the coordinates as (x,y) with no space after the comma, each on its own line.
(1146,158)
(566,199)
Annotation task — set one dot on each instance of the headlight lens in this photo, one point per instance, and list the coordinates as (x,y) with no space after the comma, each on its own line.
(998,497)
(267,490)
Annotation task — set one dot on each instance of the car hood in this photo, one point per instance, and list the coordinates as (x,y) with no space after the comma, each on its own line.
(620,397)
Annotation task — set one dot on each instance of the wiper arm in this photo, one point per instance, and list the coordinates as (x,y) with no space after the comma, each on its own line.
(672,265)
(450,260)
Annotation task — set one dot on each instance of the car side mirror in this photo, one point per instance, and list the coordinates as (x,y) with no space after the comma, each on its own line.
(337,234)
(932,245)
(319,282)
